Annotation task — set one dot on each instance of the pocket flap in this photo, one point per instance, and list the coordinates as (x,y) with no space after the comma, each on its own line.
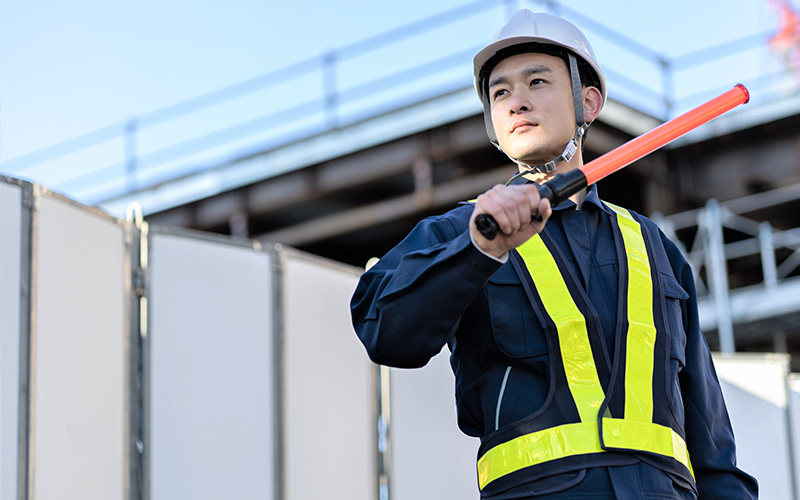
(672,288)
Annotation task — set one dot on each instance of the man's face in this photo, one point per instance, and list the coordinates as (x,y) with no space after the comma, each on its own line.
(532,108)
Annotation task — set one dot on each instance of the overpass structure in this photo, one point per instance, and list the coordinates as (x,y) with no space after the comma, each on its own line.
(347,173)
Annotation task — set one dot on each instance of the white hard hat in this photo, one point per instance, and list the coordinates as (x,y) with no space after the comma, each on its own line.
(539,32)
(526,27)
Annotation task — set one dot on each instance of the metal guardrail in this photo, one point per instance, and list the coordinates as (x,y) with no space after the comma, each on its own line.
(344,86)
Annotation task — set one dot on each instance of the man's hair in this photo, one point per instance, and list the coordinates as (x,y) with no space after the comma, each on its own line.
(587,74)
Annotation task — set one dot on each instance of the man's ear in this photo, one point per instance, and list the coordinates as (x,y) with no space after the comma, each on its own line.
(592,102)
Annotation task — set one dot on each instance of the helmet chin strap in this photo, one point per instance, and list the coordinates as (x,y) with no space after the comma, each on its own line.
(550,166)
(572,145)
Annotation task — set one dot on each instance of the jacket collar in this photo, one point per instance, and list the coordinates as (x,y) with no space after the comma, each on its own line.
(592,197)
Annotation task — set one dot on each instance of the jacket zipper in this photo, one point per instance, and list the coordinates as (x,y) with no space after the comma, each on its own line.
(500,398)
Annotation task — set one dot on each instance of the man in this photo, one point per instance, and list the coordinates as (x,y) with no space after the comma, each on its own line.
(575,341)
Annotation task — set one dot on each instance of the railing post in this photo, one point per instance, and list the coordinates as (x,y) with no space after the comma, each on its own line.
(423,182)
(511,7)
(329,84)
(718,268)
(552,7)
(667,87)
(131,157)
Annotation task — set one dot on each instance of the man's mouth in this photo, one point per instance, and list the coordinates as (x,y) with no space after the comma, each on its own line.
(521,125)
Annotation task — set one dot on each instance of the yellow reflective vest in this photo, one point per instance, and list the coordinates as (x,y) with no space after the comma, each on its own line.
(582,425)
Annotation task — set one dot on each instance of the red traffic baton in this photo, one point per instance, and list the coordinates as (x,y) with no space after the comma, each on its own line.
(562,186)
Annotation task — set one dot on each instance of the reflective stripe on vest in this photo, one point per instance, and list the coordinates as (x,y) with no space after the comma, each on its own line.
(636,431)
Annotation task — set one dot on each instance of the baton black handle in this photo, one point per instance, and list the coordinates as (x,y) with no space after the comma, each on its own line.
(557,189)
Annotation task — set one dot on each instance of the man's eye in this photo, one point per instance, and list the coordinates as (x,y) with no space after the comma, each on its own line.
(499,93)
(536,81)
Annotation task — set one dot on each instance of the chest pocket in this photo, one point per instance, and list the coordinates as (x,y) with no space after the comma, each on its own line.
(517,331)
(674,296)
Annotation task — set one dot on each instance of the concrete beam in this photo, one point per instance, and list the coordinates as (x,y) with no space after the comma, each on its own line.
(384,212)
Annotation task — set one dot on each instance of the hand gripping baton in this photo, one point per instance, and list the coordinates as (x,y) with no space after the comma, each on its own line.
(562,186)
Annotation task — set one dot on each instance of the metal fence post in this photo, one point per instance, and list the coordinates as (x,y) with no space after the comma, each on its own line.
(384,433)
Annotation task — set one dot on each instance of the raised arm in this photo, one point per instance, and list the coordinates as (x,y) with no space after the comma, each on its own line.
(407,306)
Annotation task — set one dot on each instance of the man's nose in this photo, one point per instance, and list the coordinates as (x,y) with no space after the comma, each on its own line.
(520,104)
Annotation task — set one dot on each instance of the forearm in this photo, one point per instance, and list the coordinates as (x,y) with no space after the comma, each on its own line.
(407,307)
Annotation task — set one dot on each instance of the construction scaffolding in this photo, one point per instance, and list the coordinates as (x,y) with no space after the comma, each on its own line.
(747,272)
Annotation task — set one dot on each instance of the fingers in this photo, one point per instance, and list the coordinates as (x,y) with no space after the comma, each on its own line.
(544,209)
(511,206)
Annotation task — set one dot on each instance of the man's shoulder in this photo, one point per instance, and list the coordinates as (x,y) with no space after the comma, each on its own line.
(643,219)
(663,244)
(442,227)
(458,217)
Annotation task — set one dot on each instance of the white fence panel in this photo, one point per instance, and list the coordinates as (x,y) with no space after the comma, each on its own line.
(329,384)
(431,457)
(794,414)
(754,387)
(10,263)
(78,355)
(211,370)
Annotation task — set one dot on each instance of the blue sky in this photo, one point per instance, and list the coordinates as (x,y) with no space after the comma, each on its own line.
(67,68)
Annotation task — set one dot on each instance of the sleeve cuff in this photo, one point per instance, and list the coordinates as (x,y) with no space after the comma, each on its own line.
(501,260)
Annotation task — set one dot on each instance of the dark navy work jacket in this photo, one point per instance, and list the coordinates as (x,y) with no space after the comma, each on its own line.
(437,288)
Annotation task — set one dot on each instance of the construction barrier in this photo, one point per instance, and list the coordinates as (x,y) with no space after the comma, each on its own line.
(65,352)
(755,387)
(431,457)
(165,364)
(794,412)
